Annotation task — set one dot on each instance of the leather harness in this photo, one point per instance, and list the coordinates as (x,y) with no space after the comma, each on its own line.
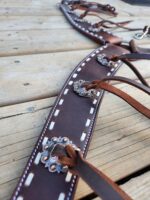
(58,158)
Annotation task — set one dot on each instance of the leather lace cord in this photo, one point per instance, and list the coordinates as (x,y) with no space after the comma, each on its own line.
(98,8)
(93,7)
(136,72)
(96,179)
(101,84)
(111,24)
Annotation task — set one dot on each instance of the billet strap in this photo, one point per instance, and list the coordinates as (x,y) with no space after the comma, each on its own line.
(40,180)
(102,185)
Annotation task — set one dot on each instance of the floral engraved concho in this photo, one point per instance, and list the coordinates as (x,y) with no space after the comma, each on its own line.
(80,89)
(49,160)
(103,60)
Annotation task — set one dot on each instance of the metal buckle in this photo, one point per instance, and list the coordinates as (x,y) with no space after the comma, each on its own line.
(103,60)
(79,88)
(140,36)
(51,161)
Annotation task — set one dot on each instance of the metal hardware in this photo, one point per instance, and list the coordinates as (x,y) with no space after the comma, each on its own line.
(48,157)
(140,36)
(103,60)
(94,30)
(79,88)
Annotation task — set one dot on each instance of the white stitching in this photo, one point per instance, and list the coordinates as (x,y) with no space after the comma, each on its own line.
(61,196)
(83,136)
(61,101)
(51,126)
(70,83)
(56,113)
(29,179)
(66,91)
(37,159)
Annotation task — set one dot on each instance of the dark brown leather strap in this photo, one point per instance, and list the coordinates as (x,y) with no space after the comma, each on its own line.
(96,179)
(137,56)
(92,7)
(101,36)
(36,182)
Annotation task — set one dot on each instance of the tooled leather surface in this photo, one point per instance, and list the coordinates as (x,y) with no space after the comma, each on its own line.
(74,111)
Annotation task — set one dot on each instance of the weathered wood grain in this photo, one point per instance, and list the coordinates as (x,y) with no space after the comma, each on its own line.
(45,7)
(137,188)
(17,23)
(46,41)
(120,140)
(30,77)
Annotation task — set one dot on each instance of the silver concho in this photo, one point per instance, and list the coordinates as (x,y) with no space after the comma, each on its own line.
(49,160)
(81,90)
(94,30)
(103,60)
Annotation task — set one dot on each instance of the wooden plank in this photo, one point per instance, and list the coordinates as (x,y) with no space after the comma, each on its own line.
(17,23)
(34,76)
(28,42)
(46,41)
(120,140)
(33,8)
(137,188)
(126,8)
(42,41)
(45,7)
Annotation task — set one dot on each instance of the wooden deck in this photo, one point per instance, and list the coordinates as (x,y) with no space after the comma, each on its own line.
(38,50)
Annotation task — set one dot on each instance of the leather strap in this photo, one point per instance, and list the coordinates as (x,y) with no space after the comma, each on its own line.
(83,26)
(130,100)
(96,179)
(37,182)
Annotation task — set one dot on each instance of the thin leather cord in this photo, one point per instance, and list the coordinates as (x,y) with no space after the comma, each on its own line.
(96,179)
(137,73)
(116,24)
(137,56)
(128,81)
(130,100)
(107,9)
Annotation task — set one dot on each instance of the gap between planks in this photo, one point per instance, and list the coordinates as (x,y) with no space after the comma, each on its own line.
(138,188)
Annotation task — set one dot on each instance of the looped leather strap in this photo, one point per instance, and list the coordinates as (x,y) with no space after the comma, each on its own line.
(96,179)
